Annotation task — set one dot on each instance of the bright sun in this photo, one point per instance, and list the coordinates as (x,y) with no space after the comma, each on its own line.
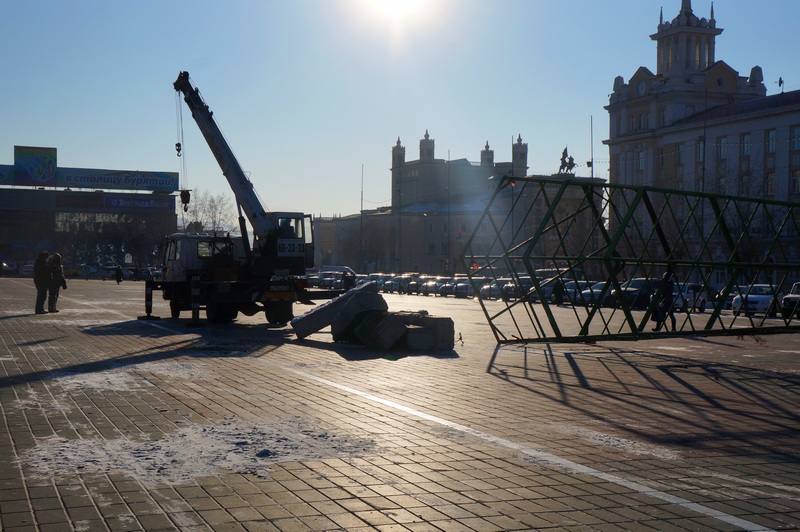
(397,12)
(398,16)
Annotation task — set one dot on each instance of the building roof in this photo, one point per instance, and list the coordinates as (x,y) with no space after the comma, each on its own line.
(731,110)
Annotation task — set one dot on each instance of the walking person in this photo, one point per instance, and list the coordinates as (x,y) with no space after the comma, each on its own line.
(665,301)
(41,279)
(118,274)
(57,281)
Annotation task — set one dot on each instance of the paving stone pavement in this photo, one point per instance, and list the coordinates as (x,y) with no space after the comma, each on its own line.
(114,423)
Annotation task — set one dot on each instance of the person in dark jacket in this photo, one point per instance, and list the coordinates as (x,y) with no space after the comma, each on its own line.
(665,302)
(118,273)
(41,279)
(57,281)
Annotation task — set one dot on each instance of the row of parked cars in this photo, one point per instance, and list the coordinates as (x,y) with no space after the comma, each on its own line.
(90,271)
(636,293)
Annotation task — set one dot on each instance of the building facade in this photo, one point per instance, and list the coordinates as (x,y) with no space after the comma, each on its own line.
(696,124)
(85,214)
(436,204)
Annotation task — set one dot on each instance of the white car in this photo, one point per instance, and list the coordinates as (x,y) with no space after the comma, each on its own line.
(756,299)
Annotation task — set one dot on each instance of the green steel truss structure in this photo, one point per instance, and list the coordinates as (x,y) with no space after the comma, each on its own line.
(537,232)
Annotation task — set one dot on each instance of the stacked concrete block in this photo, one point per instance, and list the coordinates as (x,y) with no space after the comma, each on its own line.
(354,310)
(380,330)
(442,327)
(322,315)
(361,316)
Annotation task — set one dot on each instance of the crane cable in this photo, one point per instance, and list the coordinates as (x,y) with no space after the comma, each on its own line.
(184,175)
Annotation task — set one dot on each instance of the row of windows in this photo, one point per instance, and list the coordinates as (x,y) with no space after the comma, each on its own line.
(771,142)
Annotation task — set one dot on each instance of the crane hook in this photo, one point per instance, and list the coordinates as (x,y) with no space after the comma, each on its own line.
(178,148)
(185,195)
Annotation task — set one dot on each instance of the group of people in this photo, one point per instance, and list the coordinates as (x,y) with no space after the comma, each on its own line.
(48,277)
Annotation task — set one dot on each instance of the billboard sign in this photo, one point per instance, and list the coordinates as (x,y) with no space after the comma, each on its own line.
(117,179)
(35,166)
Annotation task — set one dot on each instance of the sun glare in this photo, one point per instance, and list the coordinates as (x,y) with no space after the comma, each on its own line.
(398,16)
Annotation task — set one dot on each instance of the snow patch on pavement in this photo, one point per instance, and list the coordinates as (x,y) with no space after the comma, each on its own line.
(231,445)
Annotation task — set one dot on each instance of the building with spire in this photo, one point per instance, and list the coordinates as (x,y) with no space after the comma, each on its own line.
(697,124)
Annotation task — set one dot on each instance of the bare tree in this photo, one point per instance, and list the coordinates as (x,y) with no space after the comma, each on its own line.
(209,213)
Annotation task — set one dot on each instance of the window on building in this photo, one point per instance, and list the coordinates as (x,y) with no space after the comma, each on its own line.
(795,138)
(769,183)
(641,123)
(744,183)
(771,140)
(640,160)
(722,148)
(663,117)
(794,174)
(633,123)
(744,144)
(431,248)
(679,153)
(700,150)
(647,121)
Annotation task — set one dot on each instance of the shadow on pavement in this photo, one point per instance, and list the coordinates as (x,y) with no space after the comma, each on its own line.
(664,399)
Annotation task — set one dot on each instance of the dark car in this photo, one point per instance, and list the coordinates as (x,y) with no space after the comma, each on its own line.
(517,287)
(635,293)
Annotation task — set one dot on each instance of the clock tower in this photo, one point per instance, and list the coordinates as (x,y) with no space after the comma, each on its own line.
(688,80)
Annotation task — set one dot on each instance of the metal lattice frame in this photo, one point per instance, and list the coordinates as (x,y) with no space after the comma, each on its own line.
(588,229)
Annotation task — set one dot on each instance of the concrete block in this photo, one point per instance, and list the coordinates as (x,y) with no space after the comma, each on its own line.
(380,330)
(322,315)
(420,338)
(442,327)
(347,318)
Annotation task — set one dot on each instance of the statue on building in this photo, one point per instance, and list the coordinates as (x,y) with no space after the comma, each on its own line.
(567,163)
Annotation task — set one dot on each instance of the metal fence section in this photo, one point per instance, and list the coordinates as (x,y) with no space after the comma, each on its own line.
(579,260)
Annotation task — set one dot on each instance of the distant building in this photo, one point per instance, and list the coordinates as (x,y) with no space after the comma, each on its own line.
(696,124)
(82,213)
(436,204)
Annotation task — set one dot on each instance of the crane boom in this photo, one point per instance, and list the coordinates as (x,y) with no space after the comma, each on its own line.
(261,221)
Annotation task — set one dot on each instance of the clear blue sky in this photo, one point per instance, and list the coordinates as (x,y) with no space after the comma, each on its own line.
(310,91)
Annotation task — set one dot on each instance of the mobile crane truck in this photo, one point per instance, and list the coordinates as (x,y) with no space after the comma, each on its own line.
(225,275)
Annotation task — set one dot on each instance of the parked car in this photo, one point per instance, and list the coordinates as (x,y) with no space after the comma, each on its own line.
(790,304)
(447,288)
(493,289)
(757,299)
(591,295)
(517,287)
(635,292)
(466,287)
(547,286)
(690,297)
(27,270)
(573,289)
(84,271)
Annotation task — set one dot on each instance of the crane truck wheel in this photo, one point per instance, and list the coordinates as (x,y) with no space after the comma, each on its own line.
(279,313)
(220,313)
